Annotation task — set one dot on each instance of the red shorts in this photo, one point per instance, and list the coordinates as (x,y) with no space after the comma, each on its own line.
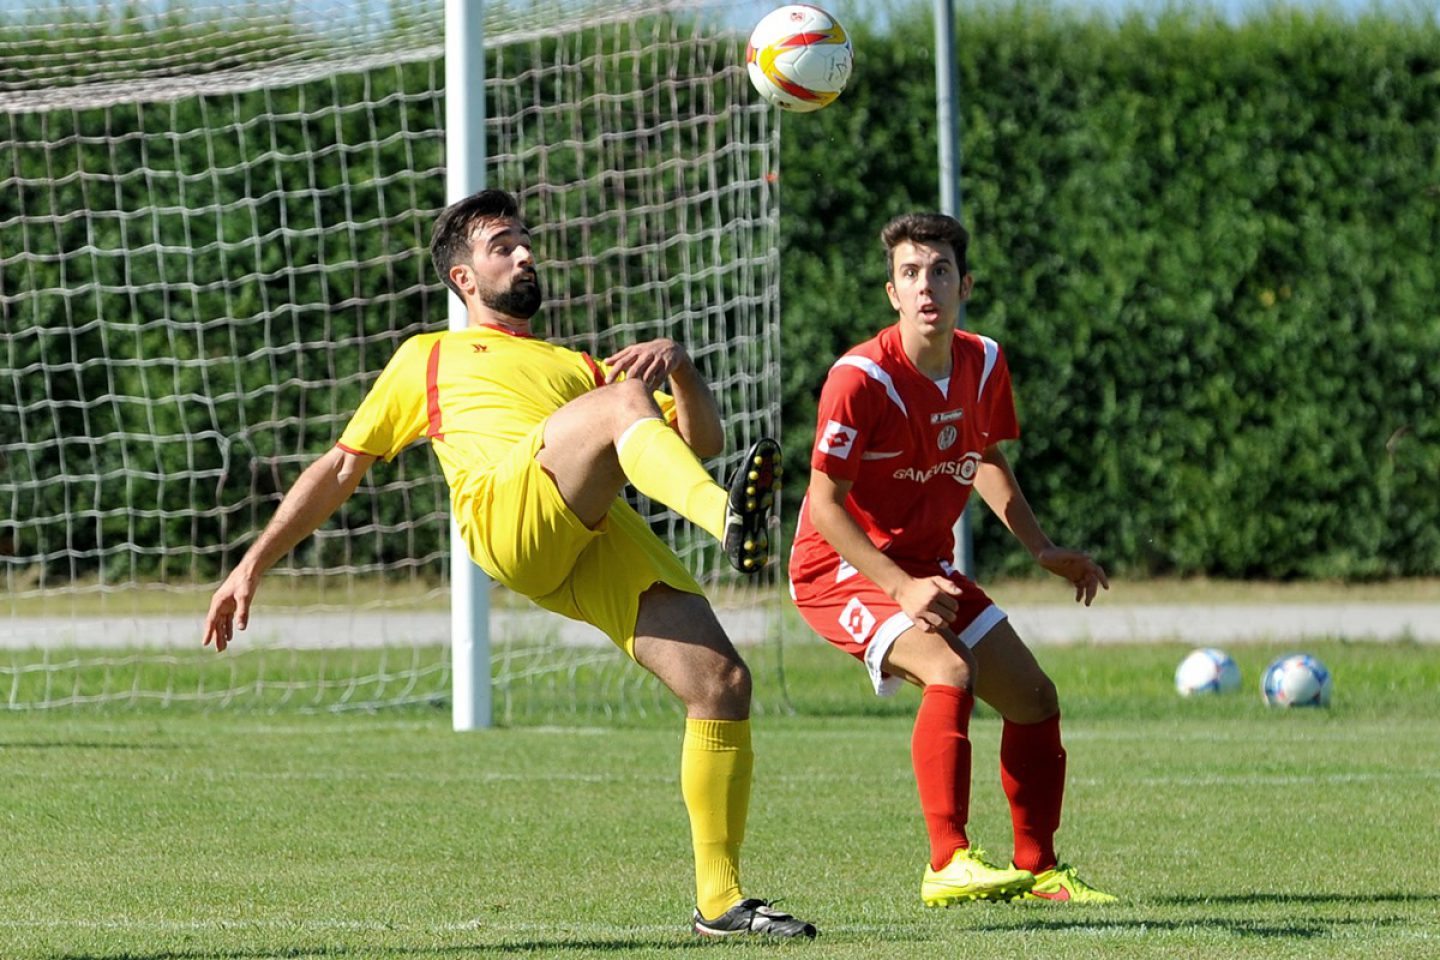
(844,607)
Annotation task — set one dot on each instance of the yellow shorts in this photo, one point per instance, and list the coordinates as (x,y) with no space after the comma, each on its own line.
(520,531)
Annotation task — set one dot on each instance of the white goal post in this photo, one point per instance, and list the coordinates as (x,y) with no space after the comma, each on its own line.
(464,174)
(214,221)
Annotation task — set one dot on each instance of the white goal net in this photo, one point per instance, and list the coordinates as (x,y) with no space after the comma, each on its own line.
(214,222)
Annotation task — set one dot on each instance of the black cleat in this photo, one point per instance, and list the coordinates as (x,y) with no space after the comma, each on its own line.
(754,491)
(753,916)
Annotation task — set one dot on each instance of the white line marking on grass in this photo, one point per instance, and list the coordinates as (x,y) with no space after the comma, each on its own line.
(1268,780)
(504,929)
(320,728)
(182,925)
(214,776)
(349,729)
(582,731)
(1210,735)
(340,776)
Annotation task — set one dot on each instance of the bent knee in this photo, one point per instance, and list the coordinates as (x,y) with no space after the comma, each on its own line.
(723,694)
(632,394)
(734,682)
(931,659)
(1038,701)
(954,672)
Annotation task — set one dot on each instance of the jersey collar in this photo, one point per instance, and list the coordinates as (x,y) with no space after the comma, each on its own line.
(511,333)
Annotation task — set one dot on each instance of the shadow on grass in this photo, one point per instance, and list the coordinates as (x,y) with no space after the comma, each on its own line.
(503,947)
(1298,929)
(1231,899)
(546,947)
(287,953)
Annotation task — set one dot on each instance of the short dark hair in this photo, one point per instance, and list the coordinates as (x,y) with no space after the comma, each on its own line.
(450,242)
(926,228)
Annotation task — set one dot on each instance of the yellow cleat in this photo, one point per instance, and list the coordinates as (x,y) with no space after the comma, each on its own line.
(969,876)
(1061,884)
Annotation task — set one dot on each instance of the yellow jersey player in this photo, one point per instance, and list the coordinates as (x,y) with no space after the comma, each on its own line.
(537,442)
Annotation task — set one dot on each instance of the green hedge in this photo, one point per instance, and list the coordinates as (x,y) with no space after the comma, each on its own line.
(175,425)
(1210,251)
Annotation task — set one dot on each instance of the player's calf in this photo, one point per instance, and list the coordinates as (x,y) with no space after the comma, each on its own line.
(754,489)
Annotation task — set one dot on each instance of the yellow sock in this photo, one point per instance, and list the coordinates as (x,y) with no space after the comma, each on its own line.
(663,467)
(715,766)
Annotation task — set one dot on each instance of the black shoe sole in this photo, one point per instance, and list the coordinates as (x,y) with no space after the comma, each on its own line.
(754,494)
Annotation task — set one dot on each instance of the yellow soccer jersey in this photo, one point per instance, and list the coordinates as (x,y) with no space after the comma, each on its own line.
(473,393)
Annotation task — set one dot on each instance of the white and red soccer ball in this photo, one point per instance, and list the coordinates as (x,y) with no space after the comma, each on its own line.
(799,57)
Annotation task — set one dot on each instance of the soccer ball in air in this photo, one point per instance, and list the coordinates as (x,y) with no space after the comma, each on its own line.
(1207,671)
(1296,680)
(799,57)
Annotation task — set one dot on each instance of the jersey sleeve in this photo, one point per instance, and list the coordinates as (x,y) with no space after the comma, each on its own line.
(998,403)
(844,424)
(393,414)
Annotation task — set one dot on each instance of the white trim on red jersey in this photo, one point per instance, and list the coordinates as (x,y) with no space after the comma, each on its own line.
(879,374)
(992,353)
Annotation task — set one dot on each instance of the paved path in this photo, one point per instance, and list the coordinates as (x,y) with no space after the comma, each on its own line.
(1039,624)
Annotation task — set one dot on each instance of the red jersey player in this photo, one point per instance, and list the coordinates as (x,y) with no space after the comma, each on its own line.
(909,422)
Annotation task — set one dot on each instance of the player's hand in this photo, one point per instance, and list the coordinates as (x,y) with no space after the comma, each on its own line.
(930,602)
(229,608)
(652,361)
(1084,574)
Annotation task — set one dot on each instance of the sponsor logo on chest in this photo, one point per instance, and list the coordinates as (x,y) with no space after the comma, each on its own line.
(961,471)
(948,434)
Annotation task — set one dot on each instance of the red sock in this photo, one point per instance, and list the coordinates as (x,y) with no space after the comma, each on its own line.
(940,751)
(1032,770)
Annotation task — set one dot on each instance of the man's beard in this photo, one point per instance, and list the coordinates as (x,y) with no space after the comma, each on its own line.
(522,299)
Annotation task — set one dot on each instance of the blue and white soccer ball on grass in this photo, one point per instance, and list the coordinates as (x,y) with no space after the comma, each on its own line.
(1207,670)
(1296,680)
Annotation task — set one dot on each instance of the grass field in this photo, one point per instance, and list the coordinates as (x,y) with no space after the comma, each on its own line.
(346,593)
(1230,830)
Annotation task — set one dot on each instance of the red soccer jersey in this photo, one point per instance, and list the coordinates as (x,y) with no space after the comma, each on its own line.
(910,450)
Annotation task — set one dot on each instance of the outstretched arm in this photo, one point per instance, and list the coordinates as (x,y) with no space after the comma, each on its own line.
(321,489)
(996,484)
